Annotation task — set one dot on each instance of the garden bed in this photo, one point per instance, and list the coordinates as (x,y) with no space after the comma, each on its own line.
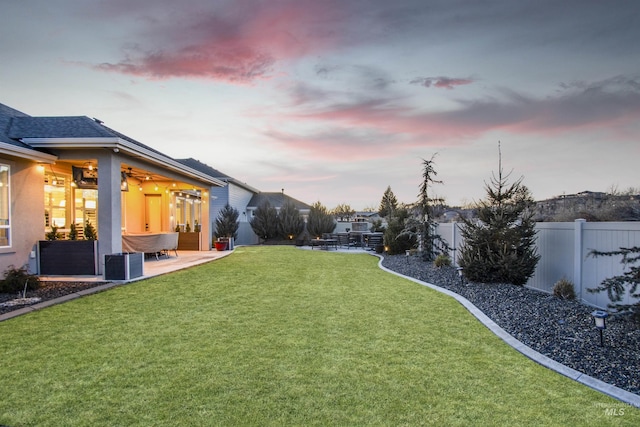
(47,291)
(562,330)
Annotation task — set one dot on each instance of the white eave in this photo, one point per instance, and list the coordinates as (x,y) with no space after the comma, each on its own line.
(26,153)
(124,147)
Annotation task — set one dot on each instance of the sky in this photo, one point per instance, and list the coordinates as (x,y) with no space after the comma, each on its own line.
(336,100)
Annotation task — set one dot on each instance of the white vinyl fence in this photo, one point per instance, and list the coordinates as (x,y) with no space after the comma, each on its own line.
(564,249)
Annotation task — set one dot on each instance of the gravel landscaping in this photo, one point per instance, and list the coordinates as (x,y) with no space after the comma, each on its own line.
(560,329)
(47,291)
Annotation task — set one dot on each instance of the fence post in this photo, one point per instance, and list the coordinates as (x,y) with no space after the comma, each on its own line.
(577,255)
(454,243)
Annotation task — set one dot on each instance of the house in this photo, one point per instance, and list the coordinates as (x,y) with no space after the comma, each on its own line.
(276,200)
(235,193)
(59,171)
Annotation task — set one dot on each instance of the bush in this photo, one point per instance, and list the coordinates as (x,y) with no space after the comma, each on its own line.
(290,222)
(227,222)
(320,221)
(53,234)
(265,221)
(563,289)
(15,280)
(442,260)
(500,246)
(89,231)
(395,239)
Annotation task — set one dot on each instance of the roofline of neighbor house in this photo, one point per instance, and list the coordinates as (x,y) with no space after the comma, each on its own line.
(124,147)
(27,153)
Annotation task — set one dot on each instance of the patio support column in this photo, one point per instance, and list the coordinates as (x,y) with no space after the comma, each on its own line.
(109,206)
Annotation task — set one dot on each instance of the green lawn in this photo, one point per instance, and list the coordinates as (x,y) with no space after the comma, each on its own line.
(278,336)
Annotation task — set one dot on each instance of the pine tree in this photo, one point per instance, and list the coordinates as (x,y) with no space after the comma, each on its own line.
(500,246)
(290,223)
(73,233)
(320,221)
(430,242)
(265,221)
(616,286)
(89,231)
(388,204)
(227,222)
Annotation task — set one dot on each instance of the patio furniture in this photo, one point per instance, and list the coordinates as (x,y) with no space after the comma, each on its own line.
(324,243)
(151,243)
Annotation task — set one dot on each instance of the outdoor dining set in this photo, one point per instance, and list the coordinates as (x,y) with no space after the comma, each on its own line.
(348,240)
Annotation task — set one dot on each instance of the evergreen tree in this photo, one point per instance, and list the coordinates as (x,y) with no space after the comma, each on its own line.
(227,222)
(265,221)
(89,231)
(500,246)
(616,286)
(73,232)
(290,222)
(320,220)
(397,238)
(388,204)
(431,243)
(343,212)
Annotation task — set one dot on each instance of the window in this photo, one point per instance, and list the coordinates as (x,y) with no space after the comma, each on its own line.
(5,203)
(86,208)
(188,210)
(66,204)
(55,200)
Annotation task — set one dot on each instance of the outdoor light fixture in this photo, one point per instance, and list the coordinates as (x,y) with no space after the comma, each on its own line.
(460,270)
(406,253)
(600,321)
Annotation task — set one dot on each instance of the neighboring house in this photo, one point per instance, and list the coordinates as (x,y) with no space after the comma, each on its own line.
(276,200)
(58,171)
(244,198)
(235,193)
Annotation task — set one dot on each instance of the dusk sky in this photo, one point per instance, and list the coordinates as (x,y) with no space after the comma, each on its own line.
(334,100)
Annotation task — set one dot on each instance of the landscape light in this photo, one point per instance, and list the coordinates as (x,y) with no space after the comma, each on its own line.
(460,270)
(600,321)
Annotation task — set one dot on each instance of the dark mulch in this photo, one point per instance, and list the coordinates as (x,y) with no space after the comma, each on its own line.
(48,291)
(560,329)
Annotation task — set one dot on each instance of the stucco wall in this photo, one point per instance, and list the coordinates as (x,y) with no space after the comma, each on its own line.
(27,213)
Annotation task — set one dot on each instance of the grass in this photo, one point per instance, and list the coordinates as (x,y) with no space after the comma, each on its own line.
(278,336)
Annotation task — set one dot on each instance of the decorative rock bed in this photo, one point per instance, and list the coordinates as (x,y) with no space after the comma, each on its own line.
(46,292)
(562,330)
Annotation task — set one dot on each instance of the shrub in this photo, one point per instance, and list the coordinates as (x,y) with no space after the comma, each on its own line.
(89,231)
(290,222)
(73,233)
(396,239)
(16,278)
(227,222)
(500,246)
(320,221)
(442,260)
(629,281)
(563,289)
(265,221)
(53,234)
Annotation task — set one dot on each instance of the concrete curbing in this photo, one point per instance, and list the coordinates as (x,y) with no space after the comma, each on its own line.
(598,385)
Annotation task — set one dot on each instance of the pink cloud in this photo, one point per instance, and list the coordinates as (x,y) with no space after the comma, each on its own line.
(237,44)
(609,104)
(441,82)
